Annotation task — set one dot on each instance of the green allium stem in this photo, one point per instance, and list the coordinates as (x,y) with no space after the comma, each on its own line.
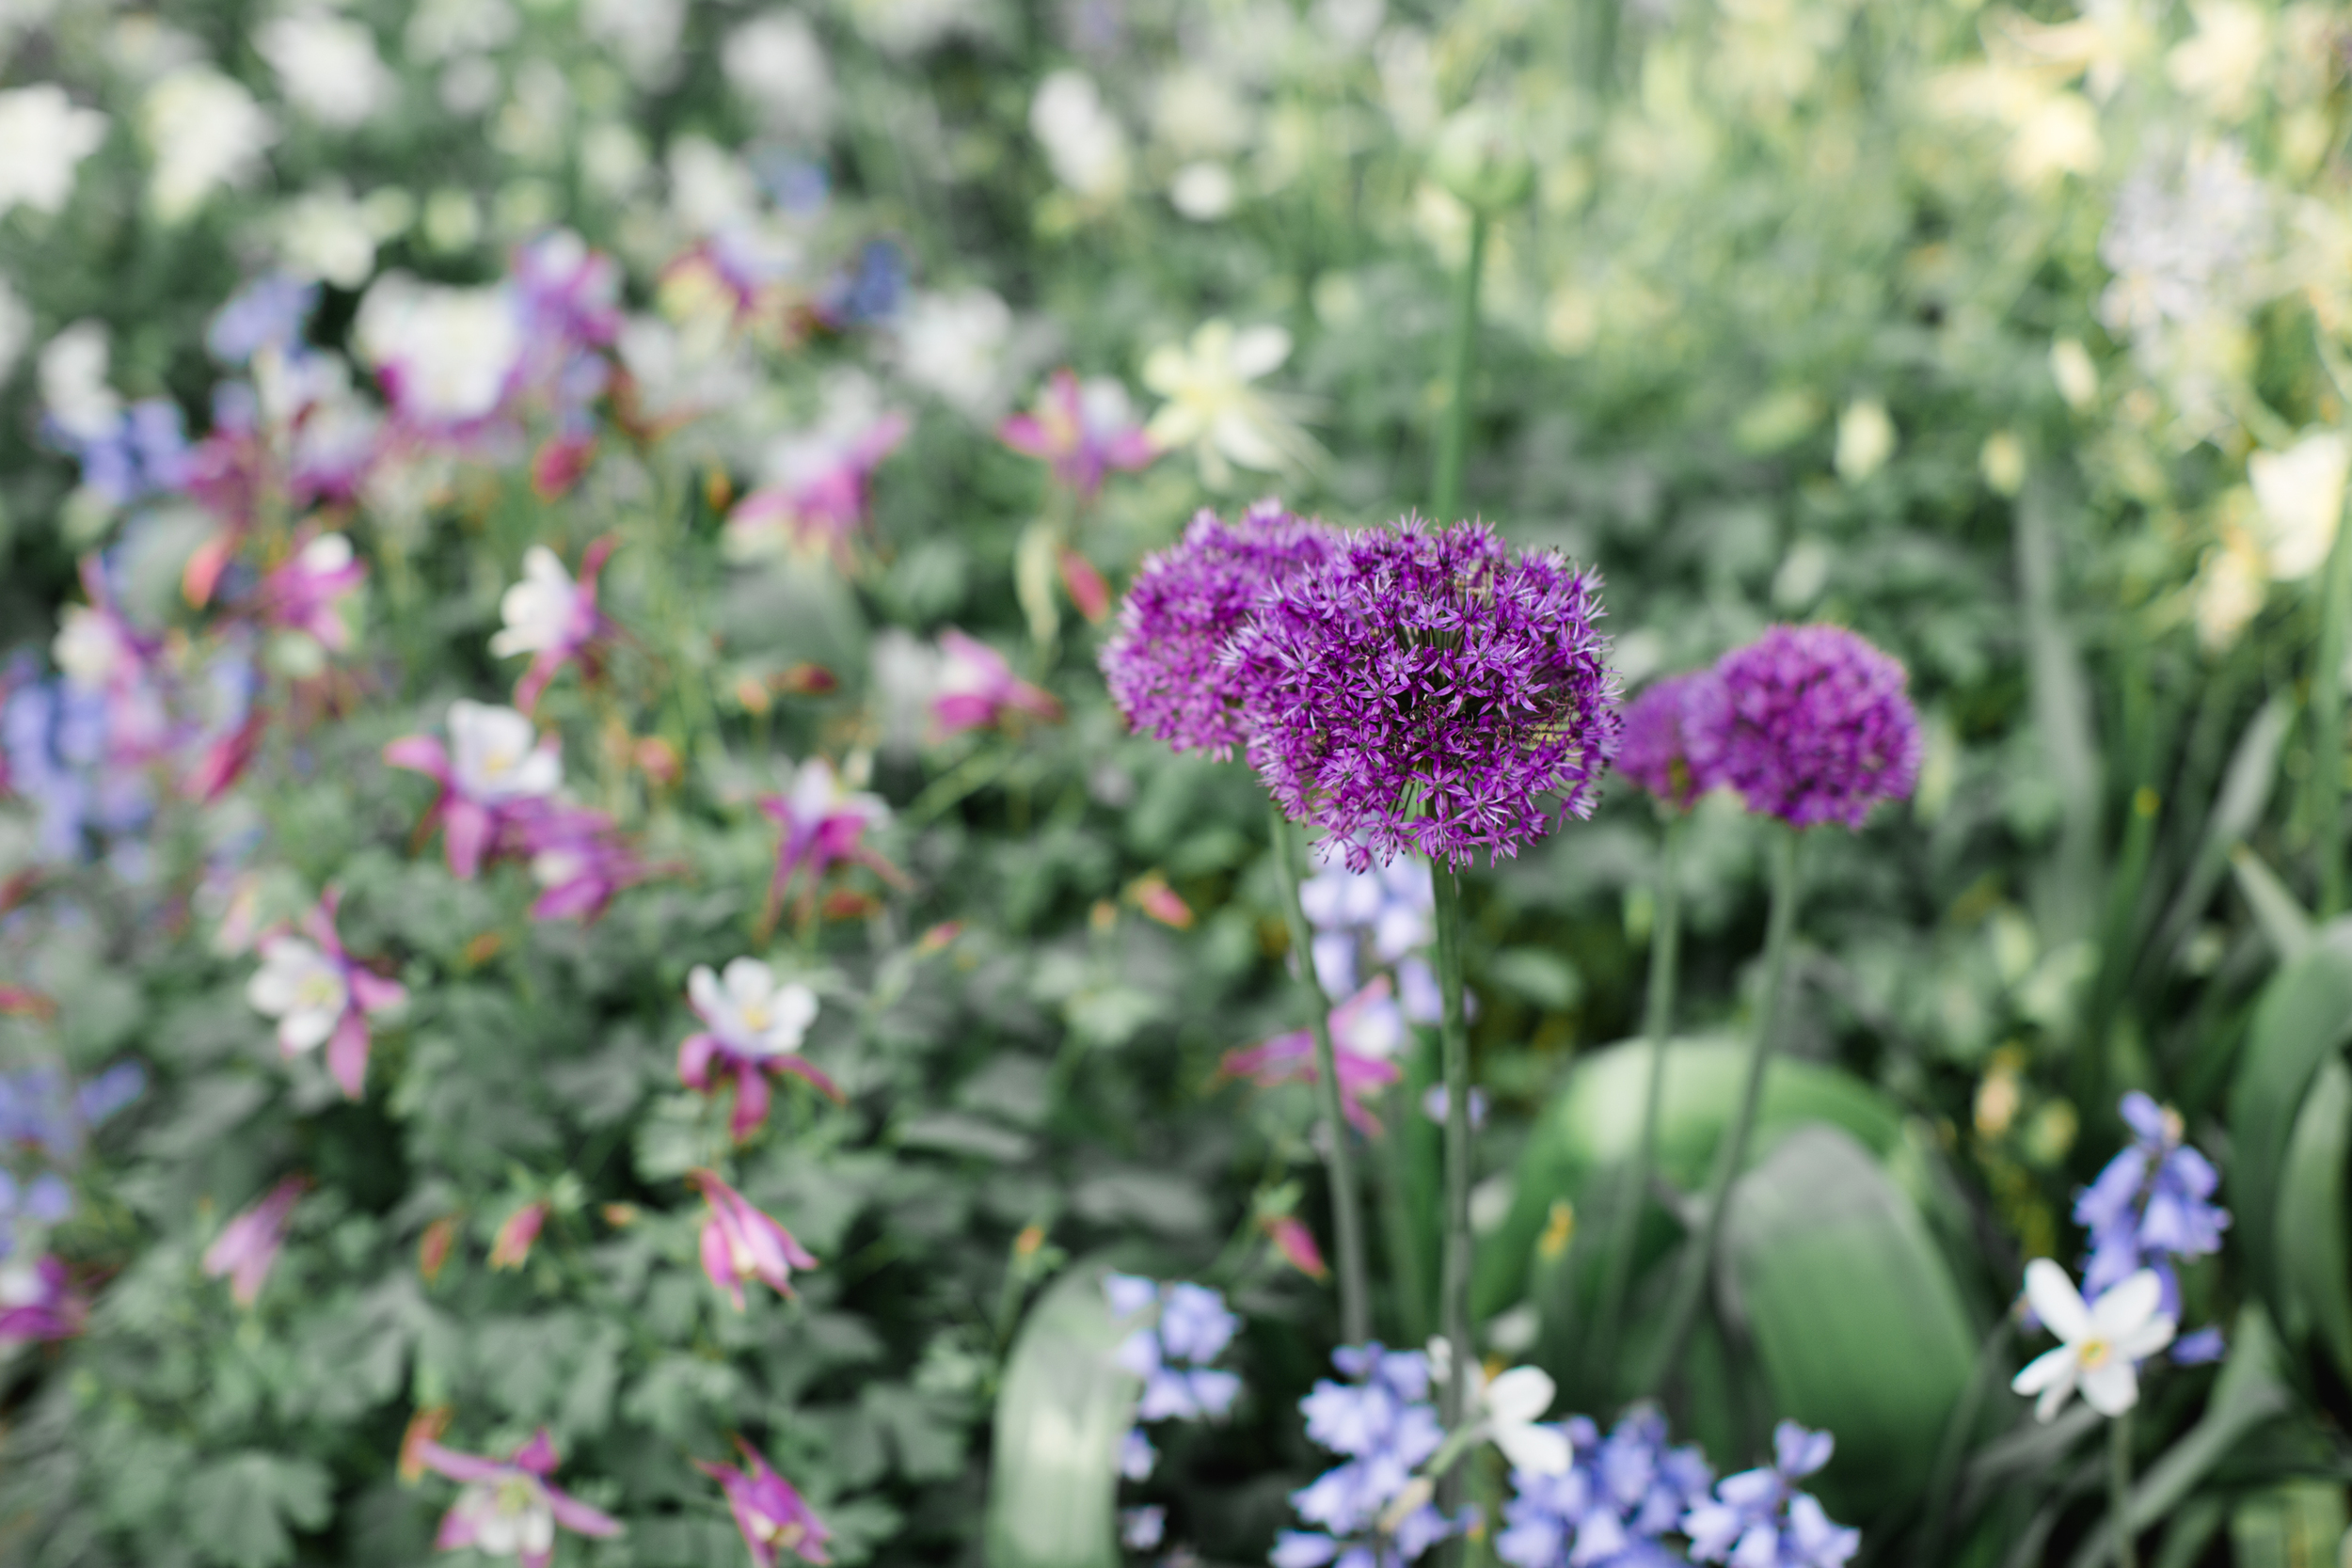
(1453,1299)
(1445,494)
(1347,1221)
(1699,1264)
(2327,708)
(2119,1488)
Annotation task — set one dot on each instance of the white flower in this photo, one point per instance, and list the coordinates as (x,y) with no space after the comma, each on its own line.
(89,648)
(2301,492)
(495,755)
(327,65)
(644,33)
(302,989)
(778,66)
(204,131)
(1513,1404)
(1083,140)
(1212,407)
(73,388)
(2103,1343)
(453,349)
(511,1517)
(954,345)
(1865,439)
(43,139)
(327,235)
(710,188)
(2228,591)
(1203,192)
(748,1010)
(538,609)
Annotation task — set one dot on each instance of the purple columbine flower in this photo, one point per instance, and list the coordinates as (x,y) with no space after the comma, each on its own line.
(306,594)
(1084,429)
(247,1248)
(1619,1496)
(1164,664)
(979,690)
(1382,1421)
(1674,737)
(495,768)
(1426,690)
(822,824)
(741,1242)
(507,1507)
(752,1027)
(37,1302)
(1758,1519)
(552,618)
(1820,728)
(577,857)
(2152,1204)
(772,1514)
(320,996)
(1367,1031)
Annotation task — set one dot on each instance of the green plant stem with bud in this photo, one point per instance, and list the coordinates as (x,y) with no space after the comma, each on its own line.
(1347,1221)
(1665,950)
(2327,701)
(1699,1262)
(1454,1036)
(2119,1488)
(1445,496)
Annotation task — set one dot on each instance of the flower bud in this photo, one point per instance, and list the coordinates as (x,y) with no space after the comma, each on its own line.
(1480,155)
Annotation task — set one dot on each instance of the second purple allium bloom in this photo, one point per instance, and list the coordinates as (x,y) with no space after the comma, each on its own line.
(1429,689)
(1674,737)
(1820,728)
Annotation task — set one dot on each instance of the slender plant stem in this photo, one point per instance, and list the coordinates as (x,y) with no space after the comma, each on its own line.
(1699,1264)
(1347,1218)
(1454,1300)
(1665,947)
(2119,1488)
(2328,726)
(1445,495)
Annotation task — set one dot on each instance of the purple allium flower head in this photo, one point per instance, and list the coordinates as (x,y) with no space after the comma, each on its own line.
(1164,663)
(1674,737)
(1427,691)
(1820,730)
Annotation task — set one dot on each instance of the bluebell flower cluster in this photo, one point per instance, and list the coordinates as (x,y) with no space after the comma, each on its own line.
(144,453)
(1760,1518)
(44,1119)
(2152,1206)
(1386,914)
(1189,1328)
(60,754)
(1615,1504)
(1382,1421)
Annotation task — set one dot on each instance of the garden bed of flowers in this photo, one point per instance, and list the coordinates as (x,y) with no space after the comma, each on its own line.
(1187,782)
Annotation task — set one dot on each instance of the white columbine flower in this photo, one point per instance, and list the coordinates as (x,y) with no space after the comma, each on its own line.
(43,139)
(1212,407)
(776,63)
(451,351)
(538,609)
(2101,1343)
(204,131)
(495,755)
(73,388)
(327,67)
(2301,492)
(302,989)
(1083,139)
(748,1010)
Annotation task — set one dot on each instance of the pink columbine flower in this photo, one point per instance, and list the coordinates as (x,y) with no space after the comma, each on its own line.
(977,687)
(772,1515)
(1366,1030)
(494,770)
(320,996)
(820,495)
(1295,1243)
(247,1248)
(552,618)
(578,857)
(753,1028)
(1084,429)
(739,1243)
(38,1303)
(306,594)
(507,1507)
(823,824)
(511,1247)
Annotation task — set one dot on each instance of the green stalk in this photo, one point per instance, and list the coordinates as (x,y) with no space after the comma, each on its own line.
(1348,1220)
(2119,1488)
(1445,496)
(1700,1262)
(2328,726)
(1665,947)
(1453,1299)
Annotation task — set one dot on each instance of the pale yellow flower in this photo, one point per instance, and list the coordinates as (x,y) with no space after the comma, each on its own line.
(1213,408)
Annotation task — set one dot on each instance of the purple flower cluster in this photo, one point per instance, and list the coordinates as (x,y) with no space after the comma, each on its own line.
(1385,913)
(1759,1519)
(1164,664)
(1615,1505)
(1818,728)
(1172,1354)
(2152,1205)
(1381,1419)
(1425,690)
(1674,737)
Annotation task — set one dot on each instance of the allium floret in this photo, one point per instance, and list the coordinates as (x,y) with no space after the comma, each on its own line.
(1163,663)
(1428,689)
(1821,729)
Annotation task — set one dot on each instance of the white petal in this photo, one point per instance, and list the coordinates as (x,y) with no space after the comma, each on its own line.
(2127,1306)
(750,983)
(2112,1386)
(702,989)
(306,1030)
(1258,350)
(2055,1301)
(1541,1450)
(2147,1340)
(2047,1370)
(1519,1395)
(2053,1399)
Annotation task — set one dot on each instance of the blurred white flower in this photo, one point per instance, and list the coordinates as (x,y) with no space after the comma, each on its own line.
(538,610)
(43,139)
(1083,140)
(644,33)
(710,188)
(2228,592)
(73,388)
(444,29)
(2101,1344)
(954,345)
(1196,113)
(1203,192)
(302,989)
(2185,242)
(1513,1405)
(775,62)
(1213,408)
(204,131)
(2223,63)
(495,755)
(2077,376)
(1351,24)
(327,65)
(445,353)
(325,235)
(1865,439)
(2300,494)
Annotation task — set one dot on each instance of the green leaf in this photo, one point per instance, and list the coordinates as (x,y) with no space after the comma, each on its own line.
(1854,1318)
(2287,1527)
(1594,1123)
(2245,792)
(239,1507)
(1053,1492)
(2316,1274)
(2281,915)
(2305,1014)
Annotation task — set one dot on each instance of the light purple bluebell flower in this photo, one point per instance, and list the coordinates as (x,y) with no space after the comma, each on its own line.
(1614,1505)
(1759,1519)
(1382,1422)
